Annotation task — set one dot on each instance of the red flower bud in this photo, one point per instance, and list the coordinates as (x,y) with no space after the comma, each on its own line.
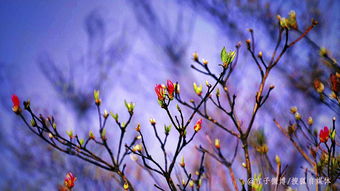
(69,180)
(170,88)
(16,104)
(159,92)
(217,144)
(324,135)
(198,125)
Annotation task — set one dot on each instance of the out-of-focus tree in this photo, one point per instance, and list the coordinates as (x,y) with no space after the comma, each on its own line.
(242,128)
(97,66)
(170,31)
(100,63)
(230,16)
(74,81)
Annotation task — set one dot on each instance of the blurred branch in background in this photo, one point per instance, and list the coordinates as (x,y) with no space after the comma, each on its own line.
(242,128)
(222,14)
(170,30)
(74,80)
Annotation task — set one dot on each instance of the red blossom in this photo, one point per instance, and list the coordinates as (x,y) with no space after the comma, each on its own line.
(324,134)
(198,125)
(159,92)
(15,101)
(16,104)
(170,88)
(69,180)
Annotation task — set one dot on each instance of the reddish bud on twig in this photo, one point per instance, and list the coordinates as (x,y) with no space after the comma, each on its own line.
(160,92)
(182,163)
(205,62)
(324,134)
(198,125)
(152,121)
(217,144)
(195,56)
(91,135)
(138,127)
(198,89)
(69,180)
(97,99)
(248,43)
(16,104)
(171,88)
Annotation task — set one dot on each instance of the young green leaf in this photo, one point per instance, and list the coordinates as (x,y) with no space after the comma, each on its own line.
(224,55)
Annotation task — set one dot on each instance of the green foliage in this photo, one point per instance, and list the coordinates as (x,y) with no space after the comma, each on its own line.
(227,57)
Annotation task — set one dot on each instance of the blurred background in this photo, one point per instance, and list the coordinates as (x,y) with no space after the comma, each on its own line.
(55,53)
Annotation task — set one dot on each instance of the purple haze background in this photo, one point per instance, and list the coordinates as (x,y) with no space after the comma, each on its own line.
(30,29)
